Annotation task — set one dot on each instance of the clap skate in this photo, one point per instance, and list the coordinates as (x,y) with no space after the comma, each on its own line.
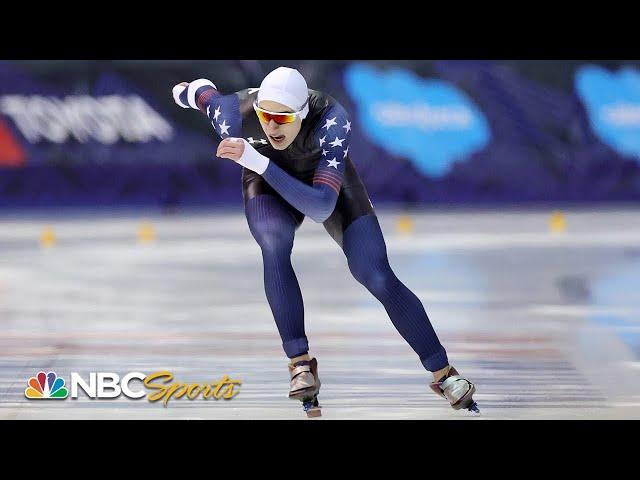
(457,390)
(305,385)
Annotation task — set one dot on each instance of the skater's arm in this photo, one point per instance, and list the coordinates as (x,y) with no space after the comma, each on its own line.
(194,94)
(223,111)
(317,201)
(332,136)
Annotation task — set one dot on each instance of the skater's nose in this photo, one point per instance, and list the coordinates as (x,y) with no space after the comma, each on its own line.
(273,126)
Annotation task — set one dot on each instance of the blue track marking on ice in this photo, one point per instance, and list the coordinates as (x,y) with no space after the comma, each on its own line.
(620,290)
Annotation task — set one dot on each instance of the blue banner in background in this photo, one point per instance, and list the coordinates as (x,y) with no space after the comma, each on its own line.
(107,133)
(109,121)
(428,121)
(612,100)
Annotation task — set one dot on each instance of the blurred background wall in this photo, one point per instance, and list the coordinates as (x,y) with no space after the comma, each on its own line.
(103,134)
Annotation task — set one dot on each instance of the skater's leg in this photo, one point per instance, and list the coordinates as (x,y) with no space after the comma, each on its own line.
(354,227)
(366,253)
(273,226)
(273,223)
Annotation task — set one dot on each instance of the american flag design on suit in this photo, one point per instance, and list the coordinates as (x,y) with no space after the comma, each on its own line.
(223,111)
(332,134)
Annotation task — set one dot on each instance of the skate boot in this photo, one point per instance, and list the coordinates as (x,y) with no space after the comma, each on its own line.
(305,385)
(457,390)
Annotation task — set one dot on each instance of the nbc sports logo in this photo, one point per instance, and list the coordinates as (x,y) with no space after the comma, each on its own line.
(110,385)
(47,385)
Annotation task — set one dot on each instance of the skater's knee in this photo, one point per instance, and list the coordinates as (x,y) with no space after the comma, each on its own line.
(377,277)
(379,283)
(273,239)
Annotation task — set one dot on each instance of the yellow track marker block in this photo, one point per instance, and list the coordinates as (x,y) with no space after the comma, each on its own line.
(146,233)
(404,224)
(557,222)
(47,237)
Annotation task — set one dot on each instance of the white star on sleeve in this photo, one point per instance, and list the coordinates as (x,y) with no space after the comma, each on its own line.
(251,140)
(337,142)
(347,126)
(323,139)
(345,152)
(263,141)
(333,163)
(224,128)
(217,113)
(330,121)
(324,152)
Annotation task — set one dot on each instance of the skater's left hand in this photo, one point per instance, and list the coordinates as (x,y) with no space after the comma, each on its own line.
(231,148)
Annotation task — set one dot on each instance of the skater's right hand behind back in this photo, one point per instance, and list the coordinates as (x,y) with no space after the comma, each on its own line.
(188,98)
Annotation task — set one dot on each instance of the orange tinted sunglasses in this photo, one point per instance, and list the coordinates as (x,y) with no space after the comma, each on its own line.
(280,118)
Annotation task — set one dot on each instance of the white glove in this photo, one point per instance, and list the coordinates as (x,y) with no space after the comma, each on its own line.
(250,157)
(191,93)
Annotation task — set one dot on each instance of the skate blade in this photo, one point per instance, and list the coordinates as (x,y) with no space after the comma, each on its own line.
(312,407)
(314,412)
(474,410)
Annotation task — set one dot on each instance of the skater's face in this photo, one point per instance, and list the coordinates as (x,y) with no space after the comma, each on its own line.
(280,135)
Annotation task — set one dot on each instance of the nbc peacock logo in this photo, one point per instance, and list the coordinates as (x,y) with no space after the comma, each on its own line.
(46,385)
